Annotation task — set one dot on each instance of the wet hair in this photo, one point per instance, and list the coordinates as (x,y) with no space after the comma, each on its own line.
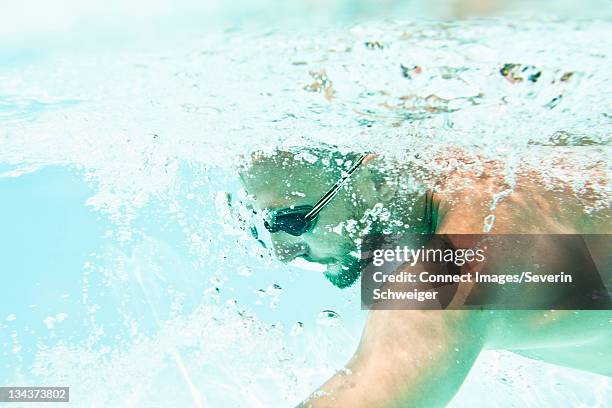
(326,163)
(327,160)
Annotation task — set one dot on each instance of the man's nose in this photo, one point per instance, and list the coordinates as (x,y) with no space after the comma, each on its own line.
(288,251)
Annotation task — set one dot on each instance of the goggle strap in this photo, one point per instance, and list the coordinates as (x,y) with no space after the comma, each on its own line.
(331,193)
(321,204)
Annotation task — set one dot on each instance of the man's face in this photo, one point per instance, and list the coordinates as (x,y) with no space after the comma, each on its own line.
(283,181)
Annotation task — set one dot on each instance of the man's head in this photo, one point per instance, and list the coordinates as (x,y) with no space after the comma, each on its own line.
(288,179)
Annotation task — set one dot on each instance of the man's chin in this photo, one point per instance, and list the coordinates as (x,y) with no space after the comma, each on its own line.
(342,275)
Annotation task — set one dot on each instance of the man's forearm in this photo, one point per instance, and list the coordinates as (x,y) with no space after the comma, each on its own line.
(407,359)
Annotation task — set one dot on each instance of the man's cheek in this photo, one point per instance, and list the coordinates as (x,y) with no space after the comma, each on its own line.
(328,244)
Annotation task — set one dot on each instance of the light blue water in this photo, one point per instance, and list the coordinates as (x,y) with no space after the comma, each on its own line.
(121,276)
(106,307)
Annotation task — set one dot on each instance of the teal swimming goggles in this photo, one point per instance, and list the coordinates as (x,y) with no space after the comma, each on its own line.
(298,220)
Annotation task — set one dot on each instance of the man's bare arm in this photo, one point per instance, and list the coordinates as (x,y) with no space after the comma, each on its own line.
(407,358)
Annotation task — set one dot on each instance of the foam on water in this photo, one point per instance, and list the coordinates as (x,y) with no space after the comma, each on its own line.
(490,85)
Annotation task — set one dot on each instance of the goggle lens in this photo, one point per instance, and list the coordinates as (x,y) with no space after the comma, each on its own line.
(290,220)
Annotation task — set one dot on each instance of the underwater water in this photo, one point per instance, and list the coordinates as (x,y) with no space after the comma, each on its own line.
(125,276)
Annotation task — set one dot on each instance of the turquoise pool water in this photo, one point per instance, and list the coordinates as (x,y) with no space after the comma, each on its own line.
(123,276)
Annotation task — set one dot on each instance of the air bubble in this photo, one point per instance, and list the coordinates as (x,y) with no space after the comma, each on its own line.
(329,318)
(297,329)
(244,271)
(488,222)
(274,290)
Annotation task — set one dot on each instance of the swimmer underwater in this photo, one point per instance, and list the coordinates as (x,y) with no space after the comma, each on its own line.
(318,204)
